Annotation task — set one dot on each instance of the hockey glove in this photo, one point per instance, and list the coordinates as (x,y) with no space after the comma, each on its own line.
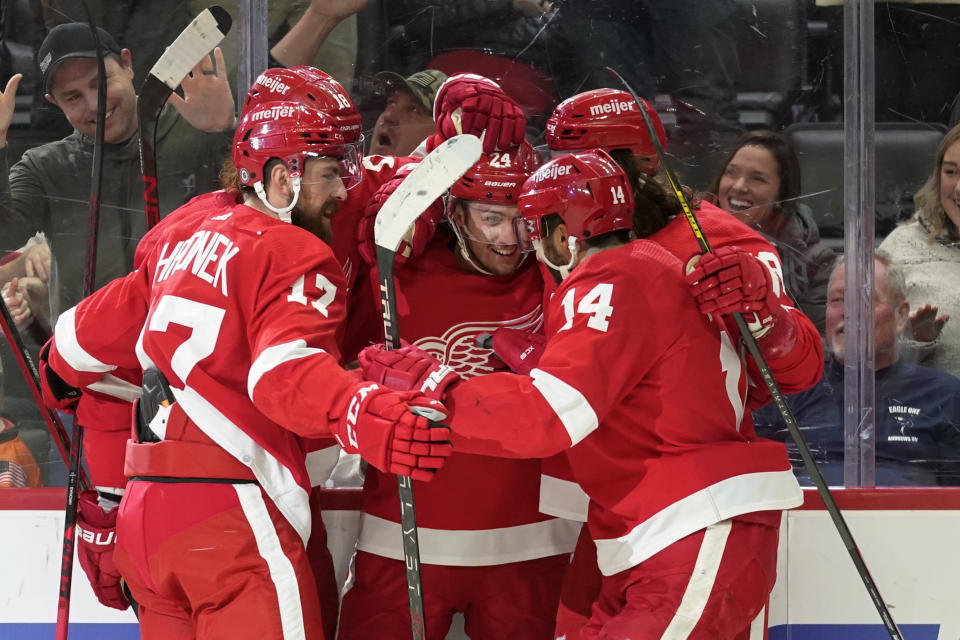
(407,368)
(470,103)
(418,235)
(518,349)
(732,280)
(96,538)
(383,427)
(56,393)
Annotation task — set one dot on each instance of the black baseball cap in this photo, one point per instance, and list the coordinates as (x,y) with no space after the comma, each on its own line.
(70,40)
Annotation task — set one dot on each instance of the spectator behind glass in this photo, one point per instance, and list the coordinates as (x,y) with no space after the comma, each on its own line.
(926,246)
(918,408)
(759,184)
(407,118)
(49,190)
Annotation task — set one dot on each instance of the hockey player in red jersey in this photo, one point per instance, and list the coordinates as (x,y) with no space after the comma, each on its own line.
(685,500)
(465,103)
(232,314)
(485,549)
(609,119)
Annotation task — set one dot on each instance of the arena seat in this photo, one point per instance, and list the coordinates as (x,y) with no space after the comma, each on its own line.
(904,155)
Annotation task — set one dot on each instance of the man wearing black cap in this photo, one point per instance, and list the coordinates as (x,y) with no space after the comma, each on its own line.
(408,117)
(48,189)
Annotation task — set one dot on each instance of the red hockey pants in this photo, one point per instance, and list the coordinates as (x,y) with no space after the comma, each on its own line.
(516,600)
(214,560)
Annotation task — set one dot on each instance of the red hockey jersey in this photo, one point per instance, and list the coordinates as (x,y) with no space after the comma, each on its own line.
(479,510)
(647,396)
(797,371)
(238,310)
(363,317)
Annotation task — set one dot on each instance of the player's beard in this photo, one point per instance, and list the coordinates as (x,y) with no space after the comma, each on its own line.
(316,223)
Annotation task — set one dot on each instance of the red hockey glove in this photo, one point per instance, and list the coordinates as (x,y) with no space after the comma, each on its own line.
(56,393)
(381,426)
(518,349)
(415,240)
(731,280)
(407,368)
(484,109)
(96,537)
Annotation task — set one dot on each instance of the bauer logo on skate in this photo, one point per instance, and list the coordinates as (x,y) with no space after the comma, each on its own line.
(551,171)
(615,106)
(201,252)
(273,113)
(273,85)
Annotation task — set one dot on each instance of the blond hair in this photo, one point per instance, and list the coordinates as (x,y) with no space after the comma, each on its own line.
(927,199)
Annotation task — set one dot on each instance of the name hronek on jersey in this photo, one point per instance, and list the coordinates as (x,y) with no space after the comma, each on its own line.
(200,253)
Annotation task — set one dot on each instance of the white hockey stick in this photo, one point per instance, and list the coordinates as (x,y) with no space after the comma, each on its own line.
(427,182)
(196,41)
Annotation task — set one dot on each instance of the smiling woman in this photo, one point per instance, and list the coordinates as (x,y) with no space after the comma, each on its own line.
(759,184)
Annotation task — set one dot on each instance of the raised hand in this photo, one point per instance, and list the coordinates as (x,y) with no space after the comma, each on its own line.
(207,102)
(7,105)
(925,325)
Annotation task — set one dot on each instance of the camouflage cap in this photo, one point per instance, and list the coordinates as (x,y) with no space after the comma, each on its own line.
(422,84)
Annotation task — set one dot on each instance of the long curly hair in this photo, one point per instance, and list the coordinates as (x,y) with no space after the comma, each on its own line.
(927,199)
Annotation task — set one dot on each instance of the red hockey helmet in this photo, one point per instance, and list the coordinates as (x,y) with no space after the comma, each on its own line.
(588,190)
(312,87)
(605,119)
(497,176)
(291,132)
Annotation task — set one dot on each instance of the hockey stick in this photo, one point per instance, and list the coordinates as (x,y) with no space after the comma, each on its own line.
(196,41)
(89,280)
(427,182)
(838,520)
(32,376)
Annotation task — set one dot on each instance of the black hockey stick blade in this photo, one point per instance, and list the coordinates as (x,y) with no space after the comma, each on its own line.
(828,500)
(196,41)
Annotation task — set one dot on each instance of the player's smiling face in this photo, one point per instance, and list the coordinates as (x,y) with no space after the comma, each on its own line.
(490,235)
(73,88)
(750,186)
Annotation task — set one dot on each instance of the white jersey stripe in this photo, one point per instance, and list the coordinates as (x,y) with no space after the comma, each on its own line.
(698,590)
(272,357)
(320,464)
(462,548)
(281,569)
(568,403)
(563,498)
(759,625)
(70,349)
(276,479)
(746,493)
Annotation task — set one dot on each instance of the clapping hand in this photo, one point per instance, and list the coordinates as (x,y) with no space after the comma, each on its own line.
(207,102)
(26,300)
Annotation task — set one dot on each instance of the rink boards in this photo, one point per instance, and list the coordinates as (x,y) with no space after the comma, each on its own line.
(910,538)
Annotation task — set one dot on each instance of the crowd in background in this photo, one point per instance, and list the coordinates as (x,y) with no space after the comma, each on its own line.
(693,63)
